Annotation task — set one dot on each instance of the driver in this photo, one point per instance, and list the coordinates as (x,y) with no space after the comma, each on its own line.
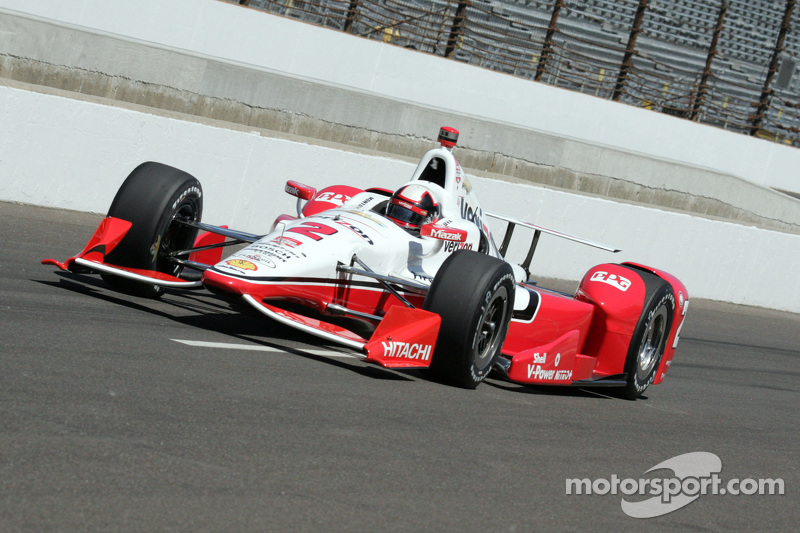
(413,205)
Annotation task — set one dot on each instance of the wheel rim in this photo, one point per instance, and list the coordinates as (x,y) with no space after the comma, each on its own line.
(650,349)
(177,236)
(489,329)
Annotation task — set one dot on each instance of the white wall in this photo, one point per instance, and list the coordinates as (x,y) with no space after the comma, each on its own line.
(230,32)
(73,154)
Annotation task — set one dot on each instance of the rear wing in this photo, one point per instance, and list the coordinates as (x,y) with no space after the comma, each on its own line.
(537,232)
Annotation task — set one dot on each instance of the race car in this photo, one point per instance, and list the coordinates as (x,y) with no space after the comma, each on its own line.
(411,278)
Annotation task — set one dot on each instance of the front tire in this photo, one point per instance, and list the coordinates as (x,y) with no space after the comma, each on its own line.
(650,336)
(154,198)
(473,293)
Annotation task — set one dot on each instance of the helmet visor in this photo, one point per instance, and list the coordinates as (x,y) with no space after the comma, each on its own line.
(406,215)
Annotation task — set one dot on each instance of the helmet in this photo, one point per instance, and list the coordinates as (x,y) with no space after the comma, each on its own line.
(412,206)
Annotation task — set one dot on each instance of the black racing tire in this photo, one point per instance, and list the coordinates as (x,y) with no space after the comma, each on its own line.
(473,293)
(153,197)
(650,336)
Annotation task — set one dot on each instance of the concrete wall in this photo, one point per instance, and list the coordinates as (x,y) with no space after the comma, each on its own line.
(72,151)
(218,60)
(245,36)
(62,152)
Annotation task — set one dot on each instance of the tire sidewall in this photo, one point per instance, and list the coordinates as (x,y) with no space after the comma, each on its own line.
(467,286)
(149,198)
(498,290)
(660,295)
(188,197)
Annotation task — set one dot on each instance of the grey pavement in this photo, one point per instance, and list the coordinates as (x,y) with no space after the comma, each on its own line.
(109,423)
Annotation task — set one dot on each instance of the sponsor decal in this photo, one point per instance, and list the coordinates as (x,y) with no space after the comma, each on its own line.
(332,197)
(445,234)
(365,201)
(471,214)
(154,247)
(407,350)
(537,372)
(614,280)
(313,230)
(186,193)
(355,229)
(452,246)
(303,192)
(539,358)
(260,259)
(276,253)
(286,241)
(242,264)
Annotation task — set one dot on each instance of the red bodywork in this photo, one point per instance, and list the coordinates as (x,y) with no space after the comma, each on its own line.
(554,339)
(586,338)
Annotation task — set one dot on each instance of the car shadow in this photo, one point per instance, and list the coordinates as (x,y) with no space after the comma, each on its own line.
(498,381)
(540,390)
(202,310)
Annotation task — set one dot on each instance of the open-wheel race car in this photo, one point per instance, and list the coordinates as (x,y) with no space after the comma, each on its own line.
(411,278)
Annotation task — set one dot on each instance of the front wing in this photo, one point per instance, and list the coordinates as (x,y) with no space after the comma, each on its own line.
(404,338)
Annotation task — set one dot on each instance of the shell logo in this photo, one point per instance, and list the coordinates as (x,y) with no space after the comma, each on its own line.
(241,263)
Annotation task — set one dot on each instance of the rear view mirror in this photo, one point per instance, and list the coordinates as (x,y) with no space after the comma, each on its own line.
(300,190)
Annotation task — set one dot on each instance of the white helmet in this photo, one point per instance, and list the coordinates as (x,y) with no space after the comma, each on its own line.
(413,205)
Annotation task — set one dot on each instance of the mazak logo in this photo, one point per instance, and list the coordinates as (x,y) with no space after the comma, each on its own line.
(693,475)
(406,350)
(614,280)
(446,234)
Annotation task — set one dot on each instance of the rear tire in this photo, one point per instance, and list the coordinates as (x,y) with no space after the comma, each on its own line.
(153,198)
(650,336)
(473,293)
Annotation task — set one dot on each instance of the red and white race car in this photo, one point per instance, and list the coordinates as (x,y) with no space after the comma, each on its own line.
(411,278)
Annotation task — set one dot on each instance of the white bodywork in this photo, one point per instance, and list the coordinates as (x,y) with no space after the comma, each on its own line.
(312,246)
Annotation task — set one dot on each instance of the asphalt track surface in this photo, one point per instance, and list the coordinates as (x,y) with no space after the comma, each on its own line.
(109,423)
